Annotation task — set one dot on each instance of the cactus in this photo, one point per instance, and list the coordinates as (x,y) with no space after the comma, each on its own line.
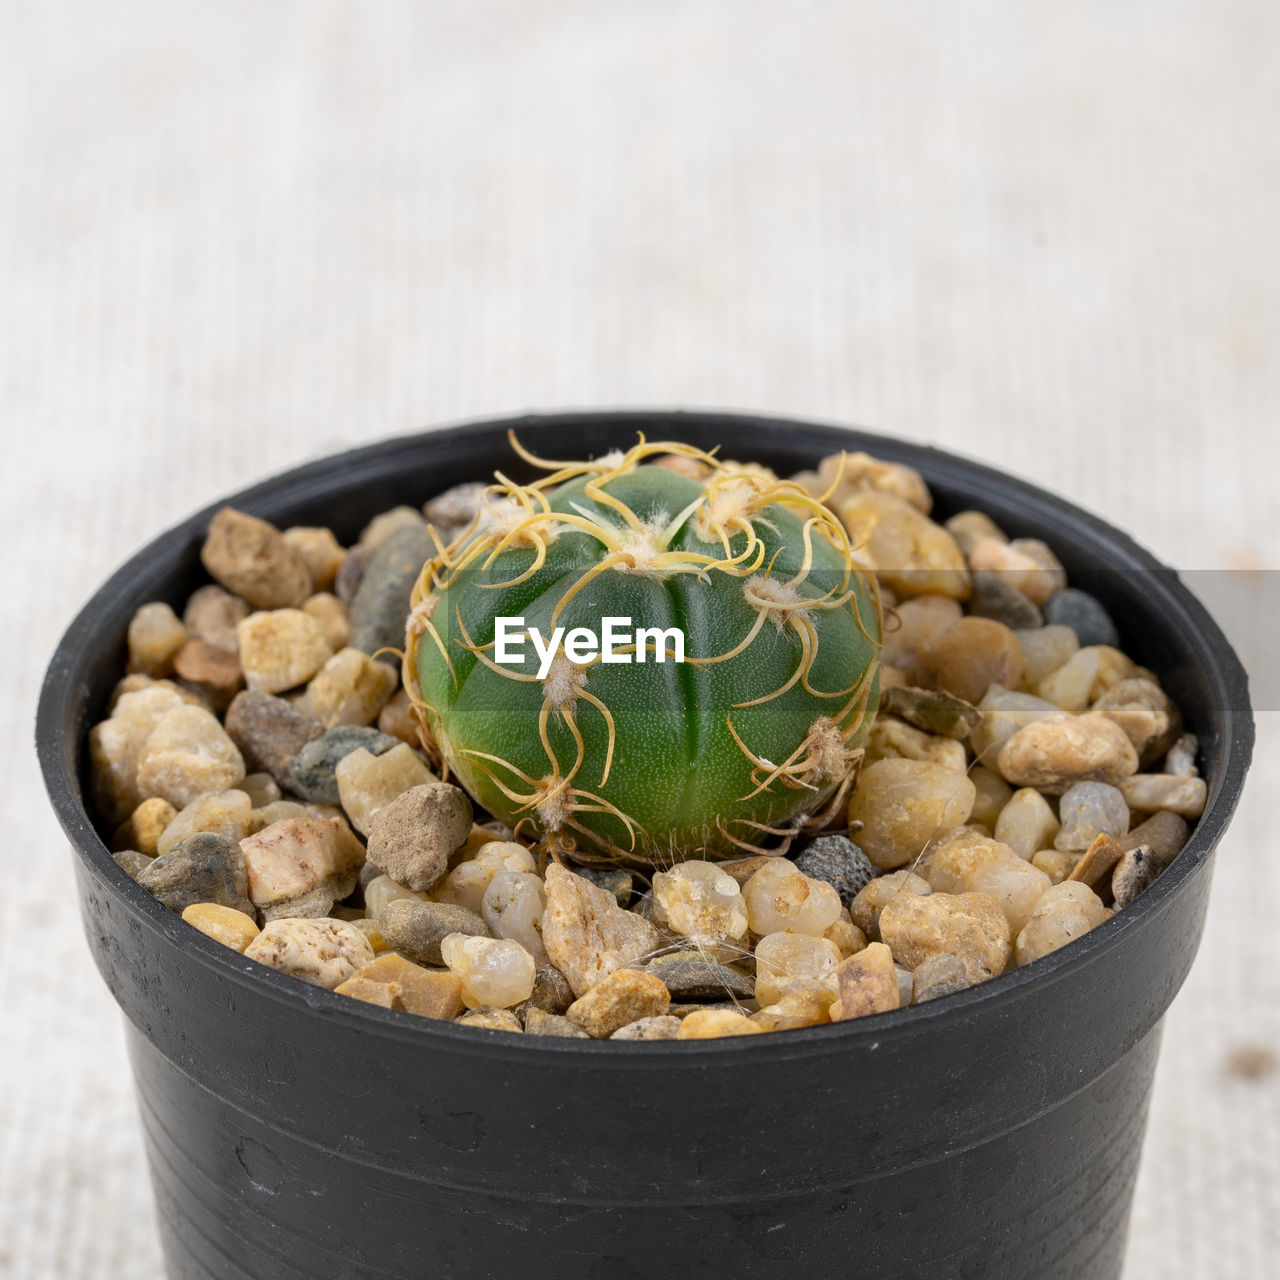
(650,761)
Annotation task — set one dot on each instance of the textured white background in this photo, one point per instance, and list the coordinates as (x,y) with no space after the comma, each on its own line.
(235,235)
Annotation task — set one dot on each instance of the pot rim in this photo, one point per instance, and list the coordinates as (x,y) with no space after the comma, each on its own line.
(1214,655)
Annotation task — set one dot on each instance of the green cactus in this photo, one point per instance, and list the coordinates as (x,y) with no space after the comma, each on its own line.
(650,761)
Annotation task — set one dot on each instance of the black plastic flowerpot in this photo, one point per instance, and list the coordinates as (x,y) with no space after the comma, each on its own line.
(996,1133)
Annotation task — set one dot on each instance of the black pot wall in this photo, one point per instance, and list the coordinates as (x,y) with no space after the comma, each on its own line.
(996,1133)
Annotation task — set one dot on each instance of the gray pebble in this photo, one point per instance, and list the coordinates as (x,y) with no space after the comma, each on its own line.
(132,861)
(612,879)
(381,605)
(839,862)
(351,573)
(701,979)
(268,732)
(311,771)
(418,928)
(1084,614)
(205,867)
(1136,869)
(939,975)
(538,1022)
(551,991)
(993,597)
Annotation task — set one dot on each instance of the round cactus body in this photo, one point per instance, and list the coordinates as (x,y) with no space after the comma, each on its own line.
(630,755)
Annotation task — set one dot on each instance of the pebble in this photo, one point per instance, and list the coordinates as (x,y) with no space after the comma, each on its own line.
(213,672)
(1063,913)
(939,975)
(385,523)
(551,990)
(491,1020)
(513,906)
(1181,759)
(142,829)
(384,994)
(866,907)
(281,649)
(1143,710)
(538,1022)
(995,598)
(429,993)
(116,748)
(933,710)
(849,939)
(664,1027)
(697,900)
(268,732)
(614,879)
(312,771)
(969,528)
(1055,753)
(1027,822)
(226,925)
(912,555)
(1057,864)
(418,928)
(398,720)
(1096,863)
(1113,668)
(454,509)
(799,1009)
(623,997)
(856,472)
(1044,650)
(788,962)
(131,862)
(971,926)
(367,783)
(905,804)
(324,953)
(381,890)
(351,688)
(319,550)
(331,614)
(213,614)
(1088,810)
(261,789)
(1166,792)
(299,855)
(315,904)
(918,623)
(225,813)
(1069,687)
(1003,713)
(1134,871)
(467,884)
(781,899)
(586,934)
(837,861)
(250,558)
(348,579)
(693,977)
(186,754)
(1026,564)
(970,656)
(1084,614)
(973,864)
(155,636)
(495,973)
(202,868)
(381,605)
(1164,834)
(992,793)
(867,983)
(711,1024)
(412,835)
(894,739)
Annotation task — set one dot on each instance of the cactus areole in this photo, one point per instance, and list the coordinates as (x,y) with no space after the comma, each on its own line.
(630,755)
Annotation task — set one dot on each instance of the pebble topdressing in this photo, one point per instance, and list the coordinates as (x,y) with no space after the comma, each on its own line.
(261,774)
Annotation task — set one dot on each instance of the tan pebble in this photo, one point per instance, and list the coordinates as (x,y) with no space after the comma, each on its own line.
(697,900)
(663,1027)
(970,656)
(155,636)
(972,864)
(495,972)
(385,994)
(798,1009)
(872,899)
(1045,650)
(742,869)
(868,983)
(1164,834)
(1136,869)
(623,997)
(214,671)
(1003,713)
(116,747)
(1026,823)
(912,627)
(587,934)
(781,899)
(855,472)
(1064,912)
(186,754)
(904,804)
(1152,792)
(1055,753)
(711,1024)
(846,935)
(1057,864)
(491,1020)
(538,1022)
(331,614)
(250,558)
(1114,668)
(893,739)
(413,834)
(429,993)
(226,925)
(142,829)
(468,883)
(971,926)
(261,789)
(324,953)
(397,719)
(319,550)
(1070,686)
(791,962)
(911,554)
(940,975)
(371,931)
(891,678)
(225,812)
(213,614)
(992,793)
(383,889)
(969,528)
(276,811)
(281,649)
(368,783)
(1026,564)
(383,525)
(351,688)
(293,857)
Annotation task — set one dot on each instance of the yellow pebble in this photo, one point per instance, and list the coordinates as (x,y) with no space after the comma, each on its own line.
(141,830)
(226,925)
(707,1024)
